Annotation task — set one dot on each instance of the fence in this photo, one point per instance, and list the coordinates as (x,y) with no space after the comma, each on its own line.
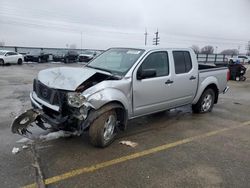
(202,58)
(25,50)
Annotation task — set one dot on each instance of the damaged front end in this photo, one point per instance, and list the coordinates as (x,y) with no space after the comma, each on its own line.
(57,108)
(53,110)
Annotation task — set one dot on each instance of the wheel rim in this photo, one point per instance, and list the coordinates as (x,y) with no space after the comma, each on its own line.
(109,127)
(207,102)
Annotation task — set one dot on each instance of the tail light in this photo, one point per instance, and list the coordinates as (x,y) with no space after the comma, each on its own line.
(228,74)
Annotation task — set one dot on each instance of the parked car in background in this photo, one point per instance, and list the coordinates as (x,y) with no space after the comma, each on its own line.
(39,57)
(241,58)
(59,56)
(86,56)
(71,56)
(9,57)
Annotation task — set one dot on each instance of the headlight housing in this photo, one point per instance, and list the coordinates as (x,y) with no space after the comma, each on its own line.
(75,99)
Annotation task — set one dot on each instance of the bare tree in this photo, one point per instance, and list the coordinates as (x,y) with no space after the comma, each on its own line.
(72,46)
(207,50)
(2,43)
(196,49)
(248,48)
(230,52)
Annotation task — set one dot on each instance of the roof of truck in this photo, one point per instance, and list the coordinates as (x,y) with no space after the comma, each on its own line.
(149,48)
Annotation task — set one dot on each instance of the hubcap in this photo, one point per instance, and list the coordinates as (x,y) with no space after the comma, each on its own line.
(207,102)
(109,127)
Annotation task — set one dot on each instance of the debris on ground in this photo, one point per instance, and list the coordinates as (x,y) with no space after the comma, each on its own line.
(25,146)
(24,140)
(56,135)
(15,150)
(128,143)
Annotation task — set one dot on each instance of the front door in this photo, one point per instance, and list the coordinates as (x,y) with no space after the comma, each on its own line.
(152,93)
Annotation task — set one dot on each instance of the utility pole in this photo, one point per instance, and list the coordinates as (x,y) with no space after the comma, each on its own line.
(156,40)
(238,49)
(81,41)
(146,37)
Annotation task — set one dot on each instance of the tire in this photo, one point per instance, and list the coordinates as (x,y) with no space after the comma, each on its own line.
(103,130)
(205,103)
(243,78)
(2,62)
(19,61)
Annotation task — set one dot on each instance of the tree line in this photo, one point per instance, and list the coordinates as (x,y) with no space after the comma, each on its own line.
(210,50)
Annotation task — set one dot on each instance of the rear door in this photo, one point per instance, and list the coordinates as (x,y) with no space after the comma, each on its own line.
(185,77)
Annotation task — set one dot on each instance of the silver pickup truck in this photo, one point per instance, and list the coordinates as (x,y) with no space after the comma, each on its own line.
(119,85)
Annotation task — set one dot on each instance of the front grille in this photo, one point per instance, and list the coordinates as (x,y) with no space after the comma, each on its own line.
(50,95)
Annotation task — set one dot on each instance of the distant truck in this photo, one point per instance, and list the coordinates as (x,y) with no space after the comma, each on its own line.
(240,58)
(9,57)
(119,85)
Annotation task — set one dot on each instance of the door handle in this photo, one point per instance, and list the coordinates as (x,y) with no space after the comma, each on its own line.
(169,82)
(192,78)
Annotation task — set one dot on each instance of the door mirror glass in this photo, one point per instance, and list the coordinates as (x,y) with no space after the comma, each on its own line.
(146,73)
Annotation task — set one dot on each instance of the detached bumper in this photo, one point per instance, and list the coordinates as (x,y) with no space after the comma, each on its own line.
(226,89)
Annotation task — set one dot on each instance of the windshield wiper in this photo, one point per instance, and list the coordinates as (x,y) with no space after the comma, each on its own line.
(98,68)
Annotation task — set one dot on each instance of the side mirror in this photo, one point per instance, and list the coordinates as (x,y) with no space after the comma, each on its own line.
(6,55)
(146,73)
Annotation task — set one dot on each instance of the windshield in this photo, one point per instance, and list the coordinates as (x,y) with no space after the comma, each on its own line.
(2,52)
(117,60)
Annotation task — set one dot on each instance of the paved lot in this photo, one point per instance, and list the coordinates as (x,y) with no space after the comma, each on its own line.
(175,149)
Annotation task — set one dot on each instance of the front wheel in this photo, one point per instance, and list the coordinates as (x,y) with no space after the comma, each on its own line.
(2,62)
(102,131)
(205,103)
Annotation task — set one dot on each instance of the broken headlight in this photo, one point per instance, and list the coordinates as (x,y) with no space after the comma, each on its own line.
(75,99)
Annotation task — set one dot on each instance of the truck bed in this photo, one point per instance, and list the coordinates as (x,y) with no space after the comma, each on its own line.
(220,73)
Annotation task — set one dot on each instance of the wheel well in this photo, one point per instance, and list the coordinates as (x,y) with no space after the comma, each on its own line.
(216,91)
(122,114)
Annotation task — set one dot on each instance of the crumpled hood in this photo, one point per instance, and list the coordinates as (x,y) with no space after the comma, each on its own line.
(65,78)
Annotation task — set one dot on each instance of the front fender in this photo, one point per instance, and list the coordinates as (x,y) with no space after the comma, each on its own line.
(107,95)
(202,86)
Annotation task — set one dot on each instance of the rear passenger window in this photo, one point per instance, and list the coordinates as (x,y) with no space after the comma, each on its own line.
(182,62)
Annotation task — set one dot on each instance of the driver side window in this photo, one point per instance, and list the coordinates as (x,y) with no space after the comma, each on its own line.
(157,61)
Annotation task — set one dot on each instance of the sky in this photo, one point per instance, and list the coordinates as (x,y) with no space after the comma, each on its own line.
(101,24)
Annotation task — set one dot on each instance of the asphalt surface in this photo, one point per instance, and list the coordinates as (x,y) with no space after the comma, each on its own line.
(212,160)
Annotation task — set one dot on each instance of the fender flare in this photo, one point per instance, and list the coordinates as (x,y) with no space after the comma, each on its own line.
(205,83)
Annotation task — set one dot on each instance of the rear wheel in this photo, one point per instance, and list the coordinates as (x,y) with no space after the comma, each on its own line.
(205,103)
(103,130)
(19,61)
